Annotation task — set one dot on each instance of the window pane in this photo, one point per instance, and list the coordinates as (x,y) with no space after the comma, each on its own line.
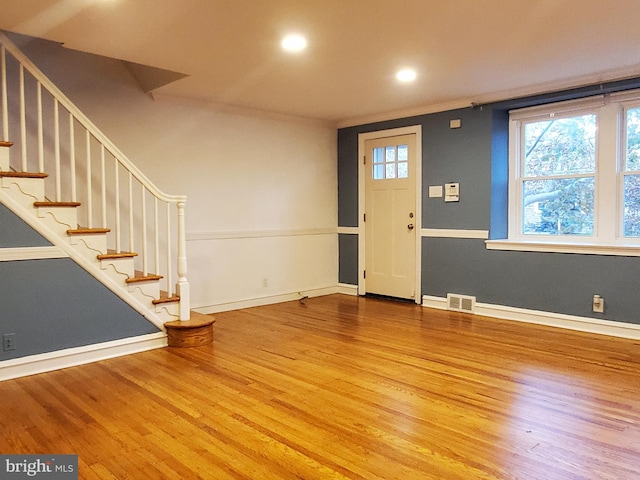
(403,170)
(403,153)
(391,170)
(558,207)
(378,172)
(391,154)
(560,147)
(633,139)
(631,212)
(378,155)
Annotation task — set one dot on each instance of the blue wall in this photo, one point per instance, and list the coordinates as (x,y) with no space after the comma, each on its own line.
(16,233)
(53,304)
(476,155)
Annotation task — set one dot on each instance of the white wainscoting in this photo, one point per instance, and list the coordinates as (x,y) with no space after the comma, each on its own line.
(241,269)
(570,322)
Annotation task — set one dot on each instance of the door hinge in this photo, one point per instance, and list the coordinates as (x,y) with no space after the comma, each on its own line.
(364,217)
(364,159)
(364,274)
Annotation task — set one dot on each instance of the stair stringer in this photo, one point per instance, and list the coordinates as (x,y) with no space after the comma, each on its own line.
(91,265)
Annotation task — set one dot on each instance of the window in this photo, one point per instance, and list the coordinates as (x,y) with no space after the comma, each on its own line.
(557,177)
(574,176)
(631,174)
(391,162)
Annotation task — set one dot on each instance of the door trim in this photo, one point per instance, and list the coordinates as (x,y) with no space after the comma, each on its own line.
(362,138)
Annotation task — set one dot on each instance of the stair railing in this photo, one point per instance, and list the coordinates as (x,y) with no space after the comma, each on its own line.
(84,166)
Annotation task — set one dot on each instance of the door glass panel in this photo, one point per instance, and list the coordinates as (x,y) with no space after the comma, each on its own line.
(403,153)
(391,154)
(391,162)
(403,170)
(378,155)
(391,170)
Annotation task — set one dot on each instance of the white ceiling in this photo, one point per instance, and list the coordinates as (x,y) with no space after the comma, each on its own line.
(464,50)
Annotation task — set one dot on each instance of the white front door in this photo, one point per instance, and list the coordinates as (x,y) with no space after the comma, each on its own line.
(390,216)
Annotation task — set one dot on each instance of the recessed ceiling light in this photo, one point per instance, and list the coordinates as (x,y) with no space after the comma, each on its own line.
(294,43)
(406,75)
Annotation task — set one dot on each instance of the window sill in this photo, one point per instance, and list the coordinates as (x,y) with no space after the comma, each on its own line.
(581,248)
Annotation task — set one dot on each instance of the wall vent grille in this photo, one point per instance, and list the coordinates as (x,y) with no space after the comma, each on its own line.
(461,303)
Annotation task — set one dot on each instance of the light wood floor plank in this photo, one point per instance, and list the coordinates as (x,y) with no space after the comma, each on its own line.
(343,387)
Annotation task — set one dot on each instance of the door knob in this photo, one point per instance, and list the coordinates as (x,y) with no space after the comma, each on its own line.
(410,226)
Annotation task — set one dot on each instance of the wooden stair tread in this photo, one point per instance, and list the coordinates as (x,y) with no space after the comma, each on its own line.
(113,254)
(195,332)
(56,204)
(4,143)
(23,175)
(139,277)
(165,298)
(196,320)
(87,231)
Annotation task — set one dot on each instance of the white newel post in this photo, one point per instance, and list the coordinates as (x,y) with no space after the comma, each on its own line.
(183,284)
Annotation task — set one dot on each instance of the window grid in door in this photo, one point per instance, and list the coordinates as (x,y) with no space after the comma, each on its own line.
(391,162)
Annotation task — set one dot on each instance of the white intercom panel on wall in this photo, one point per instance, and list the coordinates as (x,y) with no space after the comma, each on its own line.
(451,192)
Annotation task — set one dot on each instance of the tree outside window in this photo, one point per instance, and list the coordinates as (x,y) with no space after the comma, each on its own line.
(558,176)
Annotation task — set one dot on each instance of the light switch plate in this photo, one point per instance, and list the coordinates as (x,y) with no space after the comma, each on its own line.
(435,191)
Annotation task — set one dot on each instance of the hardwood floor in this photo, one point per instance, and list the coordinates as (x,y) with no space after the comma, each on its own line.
(344,387)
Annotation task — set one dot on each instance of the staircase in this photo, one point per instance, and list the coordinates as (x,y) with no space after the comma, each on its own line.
(69,182)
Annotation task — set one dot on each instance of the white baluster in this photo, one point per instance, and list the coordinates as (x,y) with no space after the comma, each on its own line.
(169,259)
(40,131)
(5,105)
(156,241)
(72,158)
(183,284)
(103,186)
(117,201)
(131,233)
(23,122)
(89,193)
(56,139)
(145,259)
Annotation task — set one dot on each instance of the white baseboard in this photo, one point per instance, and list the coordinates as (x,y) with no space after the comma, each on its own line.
(571,322)
(70,357)
(260,301)
(348,289)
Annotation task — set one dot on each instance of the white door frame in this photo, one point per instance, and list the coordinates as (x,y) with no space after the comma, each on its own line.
(362,138)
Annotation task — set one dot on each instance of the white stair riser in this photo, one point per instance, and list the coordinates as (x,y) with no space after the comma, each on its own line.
(168,311)
(4,159)
(60,218)
(146,291)
(24,190)
(89,245)
(122,268)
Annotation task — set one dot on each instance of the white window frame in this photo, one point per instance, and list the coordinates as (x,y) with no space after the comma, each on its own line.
(610,150)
